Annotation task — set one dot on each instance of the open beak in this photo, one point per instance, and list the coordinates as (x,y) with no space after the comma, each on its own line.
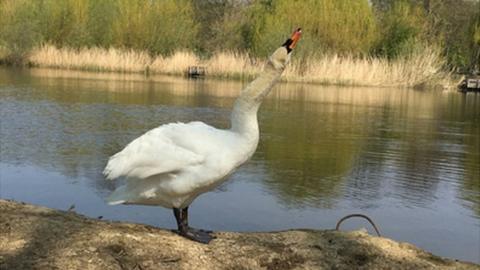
(295,38)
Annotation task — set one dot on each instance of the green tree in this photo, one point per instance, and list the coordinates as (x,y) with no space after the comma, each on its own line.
(63,23)
(475,43)
(329,25)
(449,25)
(157,26)
(402,29)
(101,15)
(19,29)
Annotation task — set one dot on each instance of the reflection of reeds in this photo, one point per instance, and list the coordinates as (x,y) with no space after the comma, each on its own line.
(416,69)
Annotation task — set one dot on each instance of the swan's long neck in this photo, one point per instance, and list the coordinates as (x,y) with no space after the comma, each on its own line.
(244,114)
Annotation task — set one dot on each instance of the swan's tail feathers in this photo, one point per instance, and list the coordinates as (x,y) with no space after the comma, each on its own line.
(116,202)
(115,167)
(155,153)
(119,196)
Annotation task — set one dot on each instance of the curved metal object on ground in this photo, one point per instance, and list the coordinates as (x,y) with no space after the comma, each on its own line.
(358,215)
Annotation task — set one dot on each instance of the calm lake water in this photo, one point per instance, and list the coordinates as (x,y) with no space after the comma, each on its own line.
(408,159)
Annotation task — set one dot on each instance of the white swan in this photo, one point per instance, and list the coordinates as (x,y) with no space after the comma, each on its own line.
(174,163)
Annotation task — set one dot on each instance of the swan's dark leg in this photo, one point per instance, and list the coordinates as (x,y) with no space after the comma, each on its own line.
(184,213)
(184,230)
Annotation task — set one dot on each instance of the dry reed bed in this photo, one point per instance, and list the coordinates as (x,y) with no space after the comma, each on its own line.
(97,59)
(409,71)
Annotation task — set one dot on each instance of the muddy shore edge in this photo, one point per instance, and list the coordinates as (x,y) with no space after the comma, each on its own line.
(35,237)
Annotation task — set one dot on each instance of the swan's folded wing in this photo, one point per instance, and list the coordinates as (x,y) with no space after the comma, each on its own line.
(150,154)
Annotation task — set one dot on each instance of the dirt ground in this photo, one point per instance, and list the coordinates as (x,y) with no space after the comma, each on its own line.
(33,237)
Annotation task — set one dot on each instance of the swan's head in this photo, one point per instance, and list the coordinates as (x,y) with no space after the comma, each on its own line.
(281,56)
(292,41)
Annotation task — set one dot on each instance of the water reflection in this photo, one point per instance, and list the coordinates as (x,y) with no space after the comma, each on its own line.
(318,143)
(320,148)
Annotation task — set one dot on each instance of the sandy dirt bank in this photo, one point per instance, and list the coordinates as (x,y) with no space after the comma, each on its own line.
(33,237)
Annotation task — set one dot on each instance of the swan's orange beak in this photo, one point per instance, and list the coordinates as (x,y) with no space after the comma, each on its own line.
(295,38)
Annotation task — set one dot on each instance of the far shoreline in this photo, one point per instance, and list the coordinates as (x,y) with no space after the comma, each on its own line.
(420,71)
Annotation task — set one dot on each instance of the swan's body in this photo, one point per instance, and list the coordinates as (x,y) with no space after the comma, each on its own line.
(172,164)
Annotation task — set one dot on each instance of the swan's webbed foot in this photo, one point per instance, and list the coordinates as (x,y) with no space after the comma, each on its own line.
(200,236)
(201,230)
(197,235)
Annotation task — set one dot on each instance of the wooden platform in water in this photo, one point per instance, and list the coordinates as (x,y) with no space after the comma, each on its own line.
(470,85)
(195,71)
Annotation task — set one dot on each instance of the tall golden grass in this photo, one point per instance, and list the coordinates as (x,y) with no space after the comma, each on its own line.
(94,59)
(3,53)
(175,64)
(231,64)
(415,69)
(222,64)
(418,68)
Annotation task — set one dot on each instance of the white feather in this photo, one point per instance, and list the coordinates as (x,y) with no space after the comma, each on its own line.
(155,152)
